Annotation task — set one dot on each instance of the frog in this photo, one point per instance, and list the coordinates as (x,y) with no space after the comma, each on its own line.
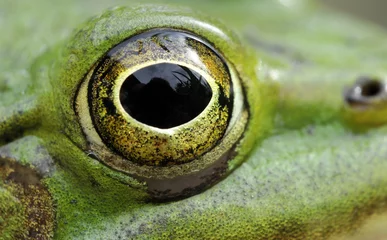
(297,94)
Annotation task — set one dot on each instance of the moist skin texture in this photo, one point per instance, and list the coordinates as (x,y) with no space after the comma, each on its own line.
(311,169)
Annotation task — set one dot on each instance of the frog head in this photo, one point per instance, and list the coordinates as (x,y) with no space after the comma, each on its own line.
(287,142)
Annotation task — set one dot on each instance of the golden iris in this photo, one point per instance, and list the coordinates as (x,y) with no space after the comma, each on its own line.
(148,67)
(165,108)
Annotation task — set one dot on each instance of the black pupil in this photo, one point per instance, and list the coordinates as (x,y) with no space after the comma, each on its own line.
(165,95)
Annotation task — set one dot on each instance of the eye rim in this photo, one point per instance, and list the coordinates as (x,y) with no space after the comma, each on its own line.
(162,176)
(95,139)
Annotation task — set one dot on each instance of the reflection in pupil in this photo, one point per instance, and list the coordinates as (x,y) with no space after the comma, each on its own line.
(165,95)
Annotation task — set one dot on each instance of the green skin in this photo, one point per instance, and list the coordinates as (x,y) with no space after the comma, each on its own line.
(307,172)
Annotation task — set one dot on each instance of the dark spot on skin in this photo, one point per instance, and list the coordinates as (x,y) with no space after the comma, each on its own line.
(4,85)
(22,176)
(310,130)
(94,183)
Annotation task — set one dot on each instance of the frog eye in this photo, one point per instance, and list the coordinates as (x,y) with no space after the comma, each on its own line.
(165,107)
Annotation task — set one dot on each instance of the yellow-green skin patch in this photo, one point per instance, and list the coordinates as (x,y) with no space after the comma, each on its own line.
(305,175)
(26,206)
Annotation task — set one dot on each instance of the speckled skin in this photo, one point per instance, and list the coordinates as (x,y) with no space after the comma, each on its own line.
(306,174)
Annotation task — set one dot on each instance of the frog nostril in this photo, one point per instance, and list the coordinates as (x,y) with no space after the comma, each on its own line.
(365,91)
(365,104)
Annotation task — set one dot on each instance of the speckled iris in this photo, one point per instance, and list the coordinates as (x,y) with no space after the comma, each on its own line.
(162,97)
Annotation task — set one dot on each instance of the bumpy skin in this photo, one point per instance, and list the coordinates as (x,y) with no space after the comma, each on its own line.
(309,174)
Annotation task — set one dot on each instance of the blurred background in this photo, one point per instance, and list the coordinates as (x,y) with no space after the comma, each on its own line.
(372,10)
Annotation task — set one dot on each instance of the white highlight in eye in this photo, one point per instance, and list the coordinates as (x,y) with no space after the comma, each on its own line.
(195,57)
